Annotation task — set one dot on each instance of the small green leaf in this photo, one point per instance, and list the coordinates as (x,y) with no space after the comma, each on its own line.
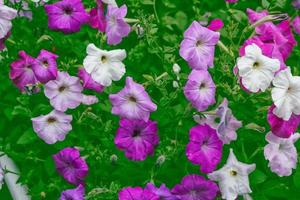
(28,137)
(258,177)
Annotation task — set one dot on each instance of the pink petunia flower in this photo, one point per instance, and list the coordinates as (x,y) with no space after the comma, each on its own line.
(215,24)
(21,72)
(88,82)
(136,193)
(137,138)
(73,194)
(70,165)
(45,67)
(231,1)
(198,46)
(132,102)
(116,27)
(200,89)
(7,14)
(282,128)
(97,17)
(194,187)
(204,148)
(296,25)
(52,127)
(66,15)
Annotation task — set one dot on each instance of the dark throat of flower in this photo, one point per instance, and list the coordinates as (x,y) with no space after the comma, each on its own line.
(68,10)
(51,120)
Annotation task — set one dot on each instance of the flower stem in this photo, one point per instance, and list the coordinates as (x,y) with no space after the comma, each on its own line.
(155,12)
(222,46)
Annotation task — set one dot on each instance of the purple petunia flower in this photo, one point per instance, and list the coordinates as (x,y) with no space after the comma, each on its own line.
(162,192)
(223,121)
(296,4)
(97,18)
(52,127)
(204,148)
(65,92)
(296,25)
(73,194)
(70,165)
(200,89)
(88,82)
(116,27)
(198,46)
(132,102)
(45,67)
(194,187)
(21,72)
(136,193)
(137,138)
(66,15)
(280,127)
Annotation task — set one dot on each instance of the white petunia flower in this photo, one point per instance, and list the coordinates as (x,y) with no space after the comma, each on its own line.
(1,177)
(286,94)
(104,66)
(281,153)
(110,2)
(6,15)
(233,177)
(256,70)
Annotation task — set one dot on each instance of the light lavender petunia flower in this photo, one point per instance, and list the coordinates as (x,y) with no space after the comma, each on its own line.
(223,121)
(116,27)
(233,177)
(65,92)
(52,127)
(200,89)
(73,194)
(281,153)
(163,192)
(7,14)
(198,46)
(132,102)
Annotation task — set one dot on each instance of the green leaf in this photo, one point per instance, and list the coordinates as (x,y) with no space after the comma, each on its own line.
(20,110)
(296,178)
(258,177)
(28,137)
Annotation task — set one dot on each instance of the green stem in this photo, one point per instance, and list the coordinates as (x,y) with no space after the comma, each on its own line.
(155,12)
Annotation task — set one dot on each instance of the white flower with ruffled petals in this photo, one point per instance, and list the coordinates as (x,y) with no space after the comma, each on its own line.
(256,70)
(233,177)
(286,94)
(104,66)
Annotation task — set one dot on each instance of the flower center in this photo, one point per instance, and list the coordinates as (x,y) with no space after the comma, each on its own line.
(256,65)
(199,43)
(233,172)
(136,133)
(51,120)
(62,88)
(45,63)
(103,59)
(68,10)
(202,86)
(132,99)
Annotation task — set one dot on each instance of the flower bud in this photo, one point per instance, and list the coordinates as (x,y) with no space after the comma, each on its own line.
(160,160)
(176,68)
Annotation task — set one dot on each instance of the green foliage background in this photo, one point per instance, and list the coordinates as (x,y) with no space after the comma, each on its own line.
(148,57)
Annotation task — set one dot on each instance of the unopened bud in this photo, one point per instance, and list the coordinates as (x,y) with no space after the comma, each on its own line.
(114,158)
(176,68)
(160,160)
(175,84)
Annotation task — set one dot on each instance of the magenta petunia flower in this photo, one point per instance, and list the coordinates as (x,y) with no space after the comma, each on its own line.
(73,194)
(231,1)
(162,192)
(52,127)
(137,138)
(132,102)
(280,127)
(97,18)
(21,72)
(66,15)
(215,24)
(200,89)
(296,25)
(88,82)
(198,46)
(70,165)
(65,92)
(45,67)
(116,27)
(137,193)
(204,148)
(194,187)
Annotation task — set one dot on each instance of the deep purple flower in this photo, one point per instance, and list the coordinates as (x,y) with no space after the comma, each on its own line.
(66,15)
(296,25)
(136,193)
(198,46)
(73,194)
(132,102)
(65,92)
(162,192)
(137,138)
(215,24)
(200,89)
(21,72)
(116,27)
(204,148)
(45,67)
(97,18)
(52,127)
(88,82)
(70,165)
(195,187)
(280,127)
